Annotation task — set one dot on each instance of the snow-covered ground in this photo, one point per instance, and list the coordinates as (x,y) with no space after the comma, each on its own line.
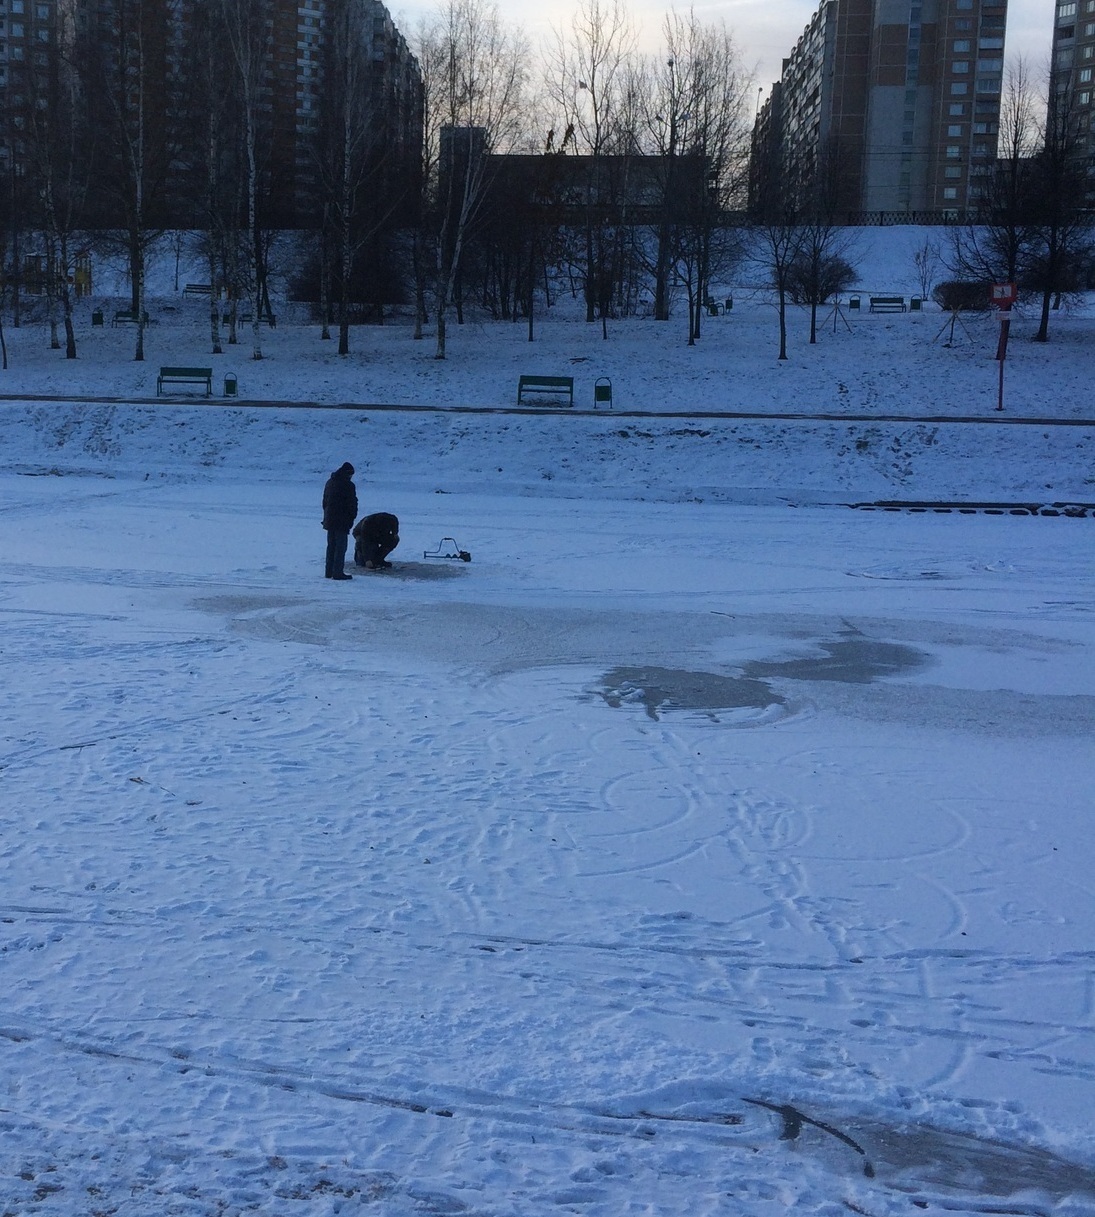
(703,846)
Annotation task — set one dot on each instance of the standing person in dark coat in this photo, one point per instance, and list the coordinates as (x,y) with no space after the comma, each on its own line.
(375,537)
(339,513)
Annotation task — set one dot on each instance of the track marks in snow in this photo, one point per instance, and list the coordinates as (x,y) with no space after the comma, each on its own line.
(820,1155)
(501,885)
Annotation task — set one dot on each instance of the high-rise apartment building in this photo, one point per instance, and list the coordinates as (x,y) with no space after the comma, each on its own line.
(391,84)
(1074,75)
(1074,50)
(28,38)
(141,65)
(897,102)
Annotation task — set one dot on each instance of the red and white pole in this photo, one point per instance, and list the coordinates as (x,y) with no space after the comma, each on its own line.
(1004,296)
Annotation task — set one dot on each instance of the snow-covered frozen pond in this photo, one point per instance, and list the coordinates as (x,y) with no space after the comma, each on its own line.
(671,856)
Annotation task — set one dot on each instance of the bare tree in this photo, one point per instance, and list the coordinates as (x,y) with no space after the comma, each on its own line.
(215,141)
(1060,183)
(592,84)
(777,241)
(125,69)
(17,211)
(520,233)
(669,125)
(778,248)
(927,260)
(430,51)
(476,69)
(822,264)
(995,247)
(362,158)
(246,25)
(58,144)
(698,123)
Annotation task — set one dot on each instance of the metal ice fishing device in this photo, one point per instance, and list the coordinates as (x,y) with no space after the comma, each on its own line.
(447,548)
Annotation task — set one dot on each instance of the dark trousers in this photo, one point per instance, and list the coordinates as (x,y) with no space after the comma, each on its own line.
(336,552)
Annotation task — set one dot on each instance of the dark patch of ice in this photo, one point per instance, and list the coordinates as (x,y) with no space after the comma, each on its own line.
(856,661)
(659,689)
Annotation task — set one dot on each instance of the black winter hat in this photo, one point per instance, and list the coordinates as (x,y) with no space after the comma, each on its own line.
(347,469)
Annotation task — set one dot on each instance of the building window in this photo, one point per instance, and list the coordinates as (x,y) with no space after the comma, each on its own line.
(960,65)
(957,110)
(961,46)
(980,150)
(1066,10)
(949,192)
(1085,99)
(953,151)
(1066,31)
(963,23)
(955,129)
(988,84)
(990,44)
(17,6)
(1089,52)
(958,88)
(1085,76)
(1089,30)
(952,171)
(964,6)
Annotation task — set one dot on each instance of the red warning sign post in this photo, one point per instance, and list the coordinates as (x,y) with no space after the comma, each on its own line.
(1004,296)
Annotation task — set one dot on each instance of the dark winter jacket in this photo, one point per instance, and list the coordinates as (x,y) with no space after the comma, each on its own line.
(381,527)
(340,500)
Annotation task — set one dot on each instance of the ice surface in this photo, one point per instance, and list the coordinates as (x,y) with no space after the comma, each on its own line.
(686,852)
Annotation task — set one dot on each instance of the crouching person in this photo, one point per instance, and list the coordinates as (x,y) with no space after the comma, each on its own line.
(375,537)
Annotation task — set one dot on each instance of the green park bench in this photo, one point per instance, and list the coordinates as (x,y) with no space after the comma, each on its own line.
(185,376)
(126,316)
(269,319)
(887,304)
(546,384)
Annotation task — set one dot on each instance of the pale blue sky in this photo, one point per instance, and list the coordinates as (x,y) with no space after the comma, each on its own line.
(766,30)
